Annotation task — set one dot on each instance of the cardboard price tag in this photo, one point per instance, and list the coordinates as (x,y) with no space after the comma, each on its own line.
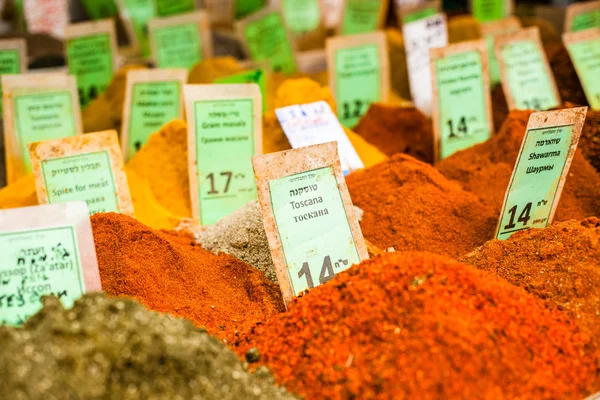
(91,49)
(419,37)
(310,224)
(224,132)
(489,31)
(362,16)
(257,76)
(462,107)
(153,97)
(45,250)
(411,13)
(13,58)
(180,41)
(266,38)
(37,107)
(582,16)
(541,170)
(584,50)
(85,167)
(527,79)
(491,10)
(358,73)
(315,123)
(46,16)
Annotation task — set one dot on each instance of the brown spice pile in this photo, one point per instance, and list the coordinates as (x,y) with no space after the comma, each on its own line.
(170,274)
(589,143)
(485,170)
(415,325)
(568,83)
(408,205)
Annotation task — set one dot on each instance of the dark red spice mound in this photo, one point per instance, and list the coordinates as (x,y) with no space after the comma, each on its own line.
(416,325)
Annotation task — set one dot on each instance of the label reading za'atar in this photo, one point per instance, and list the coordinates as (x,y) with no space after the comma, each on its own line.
(535,181)
(586,58)
(88,177)
(36,263)
(313,227)
(361,16)
(358,82)
(178,46)
(224,149)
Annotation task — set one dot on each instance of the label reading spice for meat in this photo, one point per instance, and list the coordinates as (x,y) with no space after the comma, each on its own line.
(540,171)
(526,76)
(257,76)
(301,16)
(360,74)
(224,134)
(490,10)
(582,16)
(312,230)
(12,59)
(100,9)
(489,31)
(266,38)
(419,37)
(44,250)
(315,123)
(362,16)
(584,50)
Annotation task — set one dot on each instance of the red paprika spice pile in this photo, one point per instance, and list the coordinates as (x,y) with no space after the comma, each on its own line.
(416,325)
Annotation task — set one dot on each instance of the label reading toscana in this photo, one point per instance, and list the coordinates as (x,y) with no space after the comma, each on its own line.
(361,16)
(584,50)
(178,46)
(257,76)
(540,171)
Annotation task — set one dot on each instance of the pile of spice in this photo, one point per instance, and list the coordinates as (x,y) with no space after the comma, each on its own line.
(176,276)
(114,348)
(416,325)
(589,142)
(485,170)
(560,265)
(408,205)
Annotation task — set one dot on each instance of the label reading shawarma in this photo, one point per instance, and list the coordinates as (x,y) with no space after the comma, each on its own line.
(302,16)
(43,116)
(585,20)
(461,102)
(10,63)
(489,10)
(360,16)
(257,76)
(535,181)
(178,46)
(87,177)
(224,148)
(586,58)
(313,227)
(153,104)
(357,82)
(528,79)
(90,59)
(36,263)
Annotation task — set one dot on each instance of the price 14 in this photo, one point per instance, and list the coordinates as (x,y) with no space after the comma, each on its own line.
(327,272)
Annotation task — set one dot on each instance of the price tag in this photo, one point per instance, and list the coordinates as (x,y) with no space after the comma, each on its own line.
(91,49)
(13,58)
(243,8)
(540,171)
(362,16)
(266,38)
(489,31)
(582,16)
(153,97)
(311,227)
(46,16)
(526,76)
(166,8)
(491,10)
(315,123)
(82,168)
(411,13)
(37,107)
(462,107)
(257,76)
(302,16)
(45,250)
(220,12)
(359,73)
(419,37)
(100,9)
(180,41)
(584,50)
(224,132)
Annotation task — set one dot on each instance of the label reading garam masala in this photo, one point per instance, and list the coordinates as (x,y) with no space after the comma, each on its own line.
(257,76)
(540,171)
(362,16)
(584,50)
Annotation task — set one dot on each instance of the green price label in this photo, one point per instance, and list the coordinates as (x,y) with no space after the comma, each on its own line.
(10,63)
(140,12)
(90,59)
(585,20)
(43,116)
(100,9)
(461,102)
(489,10)
(586,58)
(153,104)
(357,82)
(178,46)
(494,68)
(267,39)
(224,148)
(313,227)
(257,76)
(302,16)
(243,8)
(533,187)
(528,79)
(166,8)
(88,177)
(36,263)
(360,16)
(419,15)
